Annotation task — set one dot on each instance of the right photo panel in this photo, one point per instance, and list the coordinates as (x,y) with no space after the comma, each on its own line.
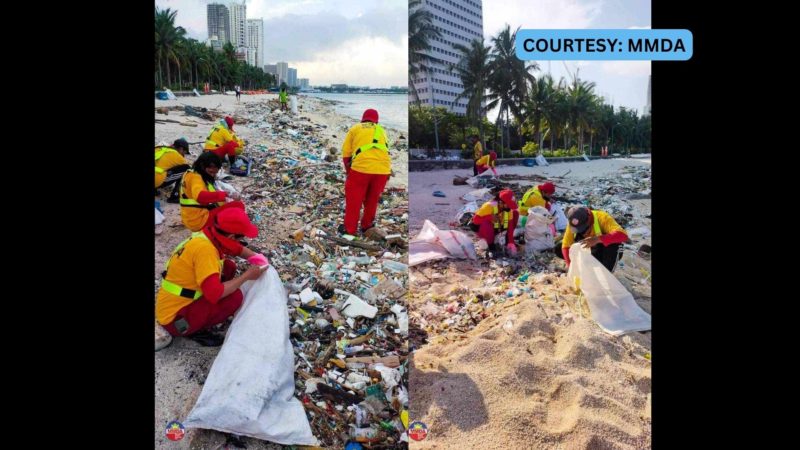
(529,224)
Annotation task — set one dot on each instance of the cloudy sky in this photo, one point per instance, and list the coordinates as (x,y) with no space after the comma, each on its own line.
(623,83)
(328,41)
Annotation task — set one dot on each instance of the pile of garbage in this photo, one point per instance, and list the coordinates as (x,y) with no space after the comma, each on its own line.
(347,300)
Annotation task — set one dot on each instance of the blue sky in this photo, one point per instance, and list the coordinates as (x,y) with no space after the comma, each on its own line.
(623,83)
(328,41)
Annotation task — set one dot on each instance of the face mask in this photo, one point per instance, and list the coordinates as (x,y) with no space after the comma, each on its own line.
(226,245)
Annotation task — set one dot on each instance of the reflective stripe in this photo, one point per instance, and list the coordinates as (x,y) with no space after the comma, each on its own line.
(190,202)
(528,194)
(495,212)
(159,153)
(175,289)
(374,144)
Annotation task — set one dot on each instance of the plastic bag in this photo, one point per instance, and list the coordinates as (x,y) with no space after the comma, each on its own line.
(561,219)
(159,216)
(250,387)
(433,243)
(538,237)
(611,305)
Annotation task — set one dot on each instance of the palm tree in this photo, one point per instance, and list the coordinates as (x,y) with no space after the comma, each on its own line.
(473,69)
(420,32)
(167,39)
(510,76)
(540,105)
(581,99)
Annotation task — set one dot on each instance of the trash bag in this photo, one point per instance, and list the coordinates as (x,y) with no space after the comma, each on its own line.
(538,236)
(250,387)
(611,305)
(433,243)
(478,195)
(541,161)
(561,219)
(159,216)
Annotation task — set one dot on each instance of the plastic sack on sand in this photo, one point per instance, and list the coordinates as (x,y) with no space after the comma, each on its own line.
(469,208)
(250,387)
(159,216)
(478,195)
(612,306)
(538,236)
(432,243)
(561,219)
(541,161)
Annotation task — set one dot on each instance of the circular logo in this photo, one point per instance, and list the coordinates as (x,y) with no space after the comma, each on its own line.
(175,431)
(417,430)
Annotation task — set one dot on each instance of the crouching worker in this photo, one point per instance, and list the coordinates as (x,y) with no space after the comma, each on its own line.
(496,216)
(198,194)
(222,141)
(170,166)
(487,162)
(199,288)
(596,230)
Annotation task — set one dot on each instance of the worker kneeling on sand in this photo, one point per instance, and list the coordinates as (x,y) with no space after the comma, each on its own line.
(170,166)
(198,289)
(487,162)
(198,194)
(595,229)
(537,196)
(365,153)
(223,141)
(494,217)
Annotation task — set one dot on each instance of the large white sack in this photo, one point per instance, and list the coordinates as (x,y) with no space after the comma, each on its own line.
(250,387)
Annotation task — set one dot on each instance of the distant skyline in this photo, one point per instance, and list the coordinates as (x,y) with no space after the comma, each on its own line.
(622,83)
(327,41)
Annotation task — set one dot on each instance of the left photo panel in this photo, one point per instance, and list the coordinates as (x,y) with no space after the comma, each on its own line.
(281,224)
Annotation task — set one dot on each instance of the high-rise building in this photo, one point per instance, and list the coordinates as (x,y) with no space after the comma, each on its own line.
(283,73)
(238,24)
(219,25)
(458,22)
(255,38)
(271,68)
(303,83)
(292,77)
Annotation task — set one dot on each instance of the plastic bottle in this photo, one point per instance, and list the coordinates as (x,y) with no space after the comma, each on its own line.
(395,266)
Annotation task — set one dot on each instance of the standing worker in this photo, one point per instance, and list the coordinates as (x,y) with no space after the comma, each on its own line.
(283,97)
(477,152)
(365,153)
(494,217)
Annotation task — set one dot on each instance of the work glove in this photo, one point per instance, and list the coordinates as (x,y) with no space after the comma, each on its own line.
(258,260)
(512,248)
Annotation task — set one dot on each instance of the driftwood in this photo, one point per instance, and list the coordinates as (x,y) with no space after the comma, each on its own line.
(345,242)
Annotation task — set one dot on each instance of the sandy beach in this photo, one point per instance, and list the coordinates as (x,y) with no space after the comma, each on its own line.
(181,368)
(521,364)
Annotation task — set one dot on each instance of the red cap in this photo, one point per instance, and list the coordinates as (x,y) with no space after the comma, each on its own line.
(508,198)
(370,115)
(492,155)
(547,188)
(235,221)
(229,121)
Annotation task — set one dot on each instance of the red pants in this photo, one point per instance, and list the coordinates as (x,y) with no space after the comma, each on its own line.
(486,229)
(202,314)
(362,189)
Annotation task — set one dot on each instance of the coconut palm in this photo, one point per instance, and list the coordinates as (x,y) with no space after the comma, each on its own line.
(167,40)
(474,69)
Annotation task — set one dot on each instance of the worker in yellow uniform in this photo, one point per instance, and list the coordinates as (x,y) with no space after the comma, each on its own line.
(198,288)
(477,152)
(487,162)
(537,196)
(198,193)
(595,229)
(223,141)
(170,166)
(496,216)
(365,154)
(283,98)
